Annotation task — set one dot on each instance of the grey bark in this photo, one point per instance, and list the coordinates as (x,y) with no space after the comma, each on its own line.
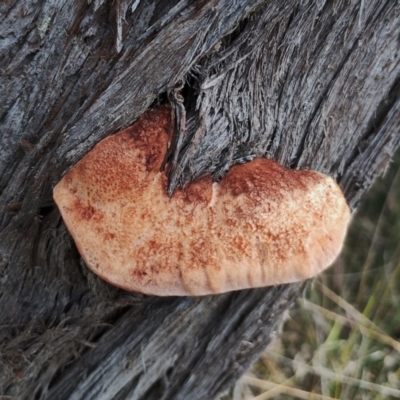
(311,84)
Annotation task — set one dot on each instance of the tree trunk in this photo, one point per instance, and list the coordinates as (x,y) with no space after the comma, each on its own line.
(311,84)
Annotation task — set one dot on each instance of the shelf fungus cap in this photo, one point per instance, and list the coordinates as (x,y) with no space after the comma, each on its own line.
(261,225)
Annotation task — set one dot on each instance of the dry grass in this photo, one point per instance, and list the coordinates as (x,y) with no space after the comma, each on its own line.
(340,341)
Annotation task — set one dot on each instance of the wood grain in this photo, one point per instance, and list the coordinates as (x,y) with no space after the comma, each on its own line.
(309,84)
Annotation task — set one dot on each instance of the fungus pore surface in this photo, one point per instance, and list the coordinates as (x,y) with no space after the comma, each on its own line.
(260,225)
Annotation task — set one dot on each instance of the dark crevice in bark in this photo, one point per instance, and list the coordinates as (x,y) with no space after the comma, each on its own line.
(376,122)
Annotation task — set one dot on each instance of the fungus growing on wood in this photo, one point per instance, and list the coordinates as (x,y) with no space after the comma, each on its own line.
(261,225)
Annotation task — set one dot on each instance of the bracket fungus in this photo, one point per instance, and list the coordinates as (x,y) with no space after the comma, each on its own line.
(261,225)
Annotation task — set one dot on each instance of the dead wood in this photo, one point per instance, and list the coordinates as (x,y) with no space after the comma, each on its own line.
(311,84)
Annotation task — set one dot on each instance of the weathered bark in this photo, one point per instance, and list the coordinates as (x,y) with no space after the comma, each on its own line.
(310,84)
